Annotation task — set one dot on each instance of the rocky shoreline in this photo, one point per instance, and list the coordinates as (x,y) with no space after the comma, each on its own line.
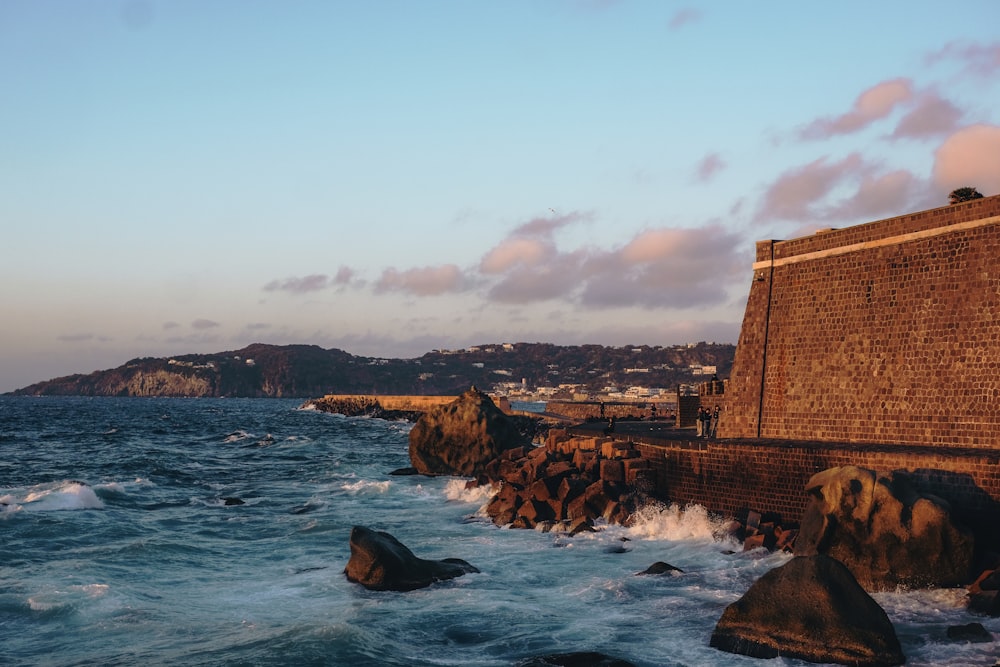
(860,533)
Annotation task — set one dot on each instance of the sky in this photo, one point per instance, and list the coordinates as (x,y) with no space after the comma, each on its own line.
(392,177)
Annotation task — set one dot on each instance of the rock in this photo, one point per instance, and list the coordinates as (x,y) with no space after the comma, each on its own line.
(544,485)
(380,562)
(579,659)
(810,608)
(229,502)
(659,567)
(460,438)
(886,533)
(984,603)
(989,580)
(970,632)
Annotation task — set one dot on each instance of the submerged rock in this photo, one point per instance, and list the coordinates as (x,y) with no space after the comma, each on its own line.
(460,438)
(380,562)
(886,533)
(970,632)
(810,608)
(659,567)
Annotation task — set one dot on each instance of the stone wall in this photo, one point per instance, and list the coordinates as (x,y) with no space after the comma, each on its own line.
(735,476)
(886,332)
(584,410)
(358,403)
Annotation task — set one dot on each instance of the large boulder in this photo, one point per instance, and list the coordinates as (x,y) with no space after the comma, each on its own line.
(380,562)
(460,438)
(886,533)
(810,608)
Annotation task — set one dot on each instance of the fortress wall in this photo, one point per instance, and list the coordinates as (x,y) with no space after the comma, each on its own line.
(887,333)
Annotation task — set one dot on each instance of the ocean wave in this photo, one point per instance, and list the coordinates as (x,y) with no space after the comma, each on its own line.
(674,522)
(365,486)
(53,496)
(455,490)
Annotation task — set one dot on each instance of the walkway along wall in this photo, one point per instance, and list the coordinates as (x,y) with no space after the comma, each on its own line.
(887,332)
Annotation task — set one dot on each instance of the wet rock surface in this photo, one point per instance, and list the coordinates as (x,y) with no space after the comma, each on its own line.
(812,609)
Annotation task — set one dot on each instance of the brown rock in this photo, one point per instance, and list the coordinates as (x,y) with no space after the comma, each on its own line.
(659,567)
(460,438)
(380,562)
(810,608)
(886,533)
(612,470)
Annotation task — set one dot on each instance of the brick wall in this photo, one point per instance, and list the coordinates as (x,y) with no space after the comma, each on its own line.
(887,332)
(733,476)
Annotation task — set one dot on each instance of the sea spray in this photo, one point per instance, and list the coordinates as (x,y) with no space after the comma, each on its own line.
(456,490)
(674,522)
(56,496)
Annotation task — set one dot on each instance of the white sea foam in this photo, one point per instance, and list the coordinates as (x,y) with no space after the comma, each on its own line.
(69,495)
(455,490)
(365,486)
(673,522)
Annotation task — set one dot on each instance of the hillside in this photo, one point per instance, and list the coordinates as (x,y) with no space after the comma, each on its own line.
(303,371)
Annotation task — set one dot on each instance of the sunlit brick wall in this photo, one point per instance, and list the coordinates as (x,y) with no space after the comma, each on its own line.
(887,332)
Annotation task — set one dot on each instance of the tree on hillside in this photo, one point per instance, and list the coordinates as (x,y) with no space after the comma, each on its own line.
(964,194)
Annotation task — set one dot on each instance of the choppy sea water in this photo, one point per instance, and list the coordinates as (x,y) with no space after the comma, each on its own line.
(119,548)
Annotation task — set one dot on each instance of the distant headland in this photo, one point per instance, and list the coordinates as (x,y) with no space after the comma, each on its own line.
(528,370)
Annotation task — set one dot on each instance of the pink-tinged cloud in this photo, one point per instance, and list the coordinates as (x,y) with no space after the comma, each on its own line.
(514,252)
(970,157)
(793,195)
(932,116)
(202,324)
(839,193)
(655,245)
(546,226)
(873,104)
(877,196)
(709,166)
(683,17)
(978,59)
(659,268)
(666,268)
(426,281)
(557,277)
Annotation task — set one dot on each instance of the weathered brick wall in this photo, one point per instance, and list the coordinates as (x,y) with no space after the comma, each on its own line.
(887,332)
(734,476)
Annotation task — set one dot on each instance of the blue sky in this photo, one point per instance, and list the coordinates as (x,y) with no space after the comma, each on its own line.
(390,177)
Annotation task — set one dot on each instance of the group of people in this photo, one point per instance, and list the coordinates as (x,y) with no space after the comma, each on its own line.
(708,421)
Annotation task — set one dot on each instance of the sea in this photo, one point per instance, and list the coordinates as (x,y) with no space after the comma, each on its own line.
(161,531)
